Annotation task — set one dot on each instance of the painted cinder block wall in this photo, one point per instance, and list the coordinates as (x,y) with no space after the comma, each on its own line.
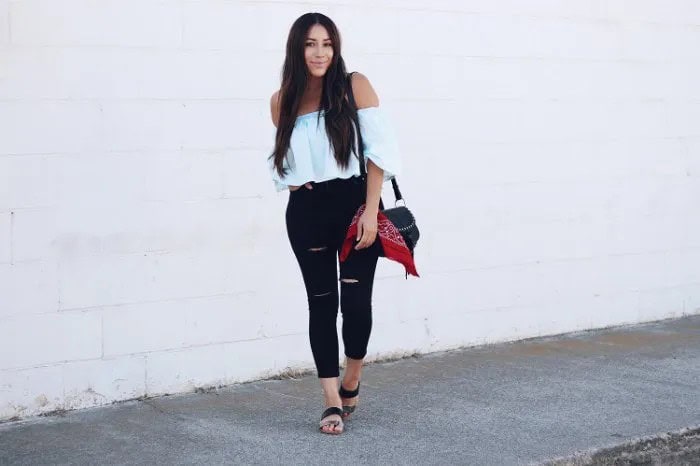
(551,154)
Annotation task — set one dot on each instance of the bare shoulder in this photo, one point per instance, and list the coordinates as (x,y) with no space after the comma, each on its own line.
(275,108)
(363,91)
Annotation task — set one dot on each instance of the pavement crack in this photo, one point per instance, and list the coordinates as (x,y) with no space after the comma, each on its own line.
(160,410)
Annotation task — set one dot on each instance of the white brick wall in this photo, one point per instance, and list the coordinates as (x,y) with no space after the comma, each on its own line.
(552,154)
(115,23)
(49,338)
(4,22)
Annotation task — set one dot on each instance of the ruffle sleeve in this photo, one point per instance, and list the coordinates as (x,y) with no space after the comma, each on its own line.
(379,141)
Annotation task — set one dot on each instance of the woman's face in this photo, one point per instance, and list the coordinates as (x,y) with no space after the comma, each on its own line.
(318,51)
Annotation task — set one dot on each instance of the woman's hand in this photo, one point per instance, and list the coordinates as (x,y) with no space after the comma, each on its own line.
(367,223)
(294,188)
(366,229)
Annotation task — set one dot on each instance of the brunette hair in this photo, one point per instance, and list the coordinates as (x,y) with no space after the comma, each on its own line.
(338,112)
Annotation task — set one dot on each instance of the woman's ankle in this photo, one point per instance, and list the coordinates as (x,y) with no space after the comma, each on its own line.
(350,383)
(353,371)
(329,387)
(332,400)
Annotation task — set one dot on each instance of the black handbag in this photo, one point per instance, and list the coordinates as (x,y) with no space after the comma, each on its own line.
(400,216)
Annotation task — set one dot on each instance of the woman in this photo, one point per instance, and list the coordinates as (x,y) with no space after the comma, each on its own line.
(315,157)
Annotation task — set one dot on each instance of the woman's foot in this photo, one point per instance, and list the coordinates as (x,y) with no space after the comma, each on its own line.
(349,396)
(351,383)
(332,421)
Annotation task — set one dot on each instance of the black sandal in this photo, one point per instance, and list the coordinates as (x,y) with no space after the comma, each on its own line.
(328,412)
(347,409)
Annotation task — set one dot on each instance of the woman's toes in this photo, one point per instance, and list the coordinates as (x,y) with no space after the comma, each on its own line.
(332,428)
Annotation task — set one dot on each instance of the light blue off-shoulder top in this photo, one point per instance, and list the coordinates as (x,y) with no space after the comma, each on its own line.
(310,157)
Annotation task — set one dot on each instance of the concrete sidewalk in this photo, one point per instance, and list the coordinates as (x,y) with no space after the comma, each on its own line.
(514,403)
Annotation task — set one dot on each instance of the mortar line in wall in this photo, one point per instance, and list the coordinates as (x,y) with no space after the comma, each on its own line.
(560,59)
(195,201)
(30,208)
(106,151)
(145,374)
(9,24)
(686,156)
(389,277)
(194,149)
(564,260)
(654,252)
(530,305)
(667,287)
(55,364)
(12,237)
(397,53)
(102,336)
(63,384)
(578,18)
(37,154)
(577,140)
(454,99)
(182,25)
(202,345)
(99,100)
(102,307)
(144,354)
(547,99)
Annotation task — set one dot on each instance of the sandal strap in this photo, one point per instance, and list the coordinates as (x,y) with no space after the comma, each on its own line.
(332,410)
(349,409)
(349,393)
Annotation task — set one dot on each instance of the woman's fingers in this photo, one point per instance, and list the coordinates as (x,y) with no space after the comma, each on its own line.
(368,237)
(365,243)
(361,233)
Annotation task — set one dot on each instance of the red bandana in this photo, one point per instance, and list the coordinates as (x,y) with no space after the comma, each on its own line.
(392,242)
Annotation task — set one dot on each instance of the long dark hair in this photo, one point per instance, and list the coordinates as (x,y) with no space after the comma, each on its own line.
(338,113)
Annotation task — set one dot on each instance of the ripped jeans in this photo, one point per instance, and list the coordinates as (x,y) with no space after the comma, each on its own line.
(317,220)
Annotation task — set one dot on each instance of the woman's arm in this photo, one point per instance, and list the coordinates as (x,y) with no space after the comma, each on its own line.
(367,224)
(275,108)
(375,178)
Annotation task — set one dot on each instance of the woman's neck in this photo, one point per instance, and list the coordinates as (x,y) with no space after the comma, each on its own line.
(314,85)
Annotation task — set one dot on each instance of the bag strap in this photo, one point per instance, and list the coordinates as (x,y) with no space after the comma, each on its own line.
(361,150)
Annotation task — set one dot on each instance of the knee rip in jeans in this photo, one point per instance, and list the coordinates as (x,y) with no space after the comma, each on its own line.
(322,248)
(349,280)
(322,295)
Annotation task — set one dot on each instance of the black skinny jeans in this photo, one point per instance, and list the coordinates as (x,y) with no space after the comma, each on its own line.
(317,222)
